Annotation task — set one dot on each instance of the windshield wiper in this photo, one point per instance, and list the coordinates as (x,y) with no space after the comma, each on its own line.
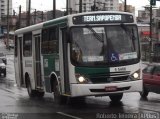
(131,35)
(96,35)
(133,40)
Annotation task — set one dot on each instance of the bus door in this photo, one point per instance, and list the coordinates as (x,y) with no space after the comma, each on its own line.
(37,61)
(64,71)
(19,62)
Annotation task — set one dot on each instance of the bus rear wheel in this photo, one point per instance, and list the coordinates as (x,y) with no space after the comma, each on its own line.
(40,94)
(58,98)
(116,97)
(31,93)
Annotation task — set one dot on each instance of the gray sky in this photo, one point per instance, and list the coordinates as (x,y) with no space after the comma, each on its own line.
(47,4)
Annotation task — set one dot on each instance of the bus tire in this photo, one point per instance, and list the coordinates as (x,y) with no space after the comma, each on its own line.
(77,101)
(144,92)
(5,74)
(40,94)
(116,97)
(58,98)
(31,93)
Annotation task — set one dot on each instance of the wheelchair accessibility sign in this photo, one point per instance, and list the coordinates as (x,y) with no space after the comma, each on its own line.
(114,57)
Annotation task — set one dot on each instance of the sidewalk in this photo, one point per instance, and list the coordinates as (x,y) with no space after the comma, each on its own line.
(5,50)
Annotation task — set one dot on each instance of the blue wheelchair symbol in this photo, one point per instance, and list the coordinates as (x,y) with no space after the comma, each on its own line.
(114,57)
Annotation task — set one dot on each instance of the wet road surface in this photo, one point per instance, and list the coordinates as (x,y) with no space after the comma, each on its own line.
(16,104)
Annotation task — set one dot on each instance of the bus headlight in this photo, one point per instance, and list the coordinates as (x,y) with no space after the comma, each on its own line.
(81,79)
(136,75)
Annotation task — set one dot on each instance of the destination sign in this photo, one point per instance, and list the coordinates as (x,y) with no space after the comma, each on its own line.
(103,18)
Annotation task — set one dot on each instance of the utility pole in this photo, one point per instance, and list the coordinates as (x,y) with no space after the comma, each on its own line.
(29,15)
(7,25)
(14,12)
(35,15)
(150,42)
(80,6)
(125,5)
(152,2)
(94,5)
(94,8)
(19,21)
(84,7)
(67,7)
(104,6)
(54,9)
(42,16)
(151,22)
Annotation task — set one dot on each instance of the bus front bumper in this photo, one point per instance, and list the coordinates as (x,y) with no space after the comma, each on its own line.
(102,89)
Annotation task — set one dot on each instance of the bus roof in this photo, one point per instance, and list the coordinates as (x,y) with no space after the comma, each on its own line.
(41,25)
(60,20)
(11,32)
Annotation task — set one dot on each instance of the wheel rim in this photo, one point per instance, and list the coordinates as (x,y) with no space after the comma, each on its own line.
(29,88)
(56,91)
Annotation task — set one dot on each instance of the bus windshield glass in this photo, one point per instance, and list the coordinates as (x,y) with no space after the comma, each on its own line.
(118,44)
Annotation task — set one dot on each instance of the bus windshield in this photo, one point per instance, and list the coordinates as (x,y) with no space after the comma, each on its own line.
(116,44)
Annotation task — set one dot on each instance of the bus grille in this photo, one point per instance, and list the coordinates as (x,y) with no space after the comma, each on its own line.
(108,79)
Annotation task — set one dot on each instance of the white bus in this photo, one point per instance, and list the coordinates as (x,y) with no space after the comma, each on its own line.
(85,54)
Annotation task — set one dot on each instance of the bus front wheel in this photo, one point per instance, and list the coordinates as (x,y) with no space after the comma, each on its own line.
(144,92)
(116,97)
(58,98)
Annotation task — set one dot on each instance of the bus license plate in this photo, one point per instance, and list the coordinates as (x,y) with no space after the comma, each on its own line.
(111,88)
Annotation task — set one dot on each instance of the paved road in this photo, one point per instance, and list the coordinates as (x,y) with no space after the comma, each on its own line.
(15,104)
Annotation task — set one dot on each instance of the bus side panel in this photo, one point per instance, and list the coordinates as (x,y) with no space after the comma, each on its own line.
(16,63)
(28,68)
(49,65)
(18,60)
(16,71)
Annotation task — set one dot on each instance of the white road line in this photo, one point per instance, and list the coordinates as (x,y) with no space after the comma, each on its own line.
(8,90)
(68,115)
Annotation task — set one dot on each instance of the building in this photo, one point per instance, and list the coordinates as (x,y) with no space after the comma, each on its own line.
(40,16)
(93,5)
(3,14)
(147,42)
(144,17)
(129,8)
(3,10)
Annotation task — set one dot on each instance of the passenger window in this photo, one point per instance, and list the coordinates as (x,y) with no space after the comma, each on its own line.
(27,45)
(49,43)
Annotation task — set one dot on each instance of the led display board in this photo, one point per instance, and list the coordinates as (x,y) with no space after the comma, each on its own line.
(103,18)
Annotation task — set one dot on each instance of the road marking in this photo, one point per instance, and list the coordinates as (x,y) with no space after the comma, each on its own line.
(10,91)
(68,115)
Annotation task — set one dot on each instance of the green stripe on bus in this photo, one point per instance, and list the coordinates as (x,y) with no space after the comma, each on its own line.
(95,75)
(49,63)
(91,71)
(61,22)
